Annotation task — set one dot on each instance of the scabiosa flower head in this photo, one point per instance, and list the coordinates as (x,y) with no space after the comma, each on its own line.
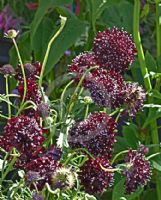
(114,49)
(43,110)
(106,88)
(32,177)
(33,92)
(96,134)
(134,98)
(25,135)
(45,166)
(81,63)
(63,178)
(7,70)
(137,171)
(31,71)
(93,177)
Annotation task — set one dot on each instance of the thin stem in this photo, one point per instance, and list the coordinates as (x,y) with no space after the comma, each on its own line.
(139,47)
(117,155)
(158,30)
(23,71)
(74,96)
(63,22)
(110,169)
(62,98)
(7,92)
(24,105)
(147,83)
(86,111)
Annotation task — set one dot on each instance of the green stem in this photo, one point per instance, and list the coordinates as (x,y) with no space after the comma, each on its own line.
(137,40)
(117,155)
(23,71)
(7,93)
(63,22)
(87,111)
(62,98)
(158,30)
(75,96)
(147,82)
(24,105)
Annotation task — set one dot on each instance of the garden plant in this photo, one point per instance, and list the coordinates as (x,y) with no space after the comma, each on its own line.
(82,90)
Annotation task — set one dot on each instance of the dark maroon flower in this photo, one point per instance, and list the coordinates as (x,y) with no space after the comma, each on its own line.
(25,135)
(33,92)
(45,166)
(137,171)
(114,49)
(81,63)
(93,177)
(106,88)
(96,134)
(134,99)
(43,110)
(7,70)
(31,71)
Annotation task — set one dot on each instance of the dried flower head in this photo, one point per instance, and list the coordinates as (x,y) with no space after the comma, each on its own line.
(137,171)
(93,177)
(43,110)
(63,178)
(106,88)
(114,49)
(134,99)
(7,70)
(96,134)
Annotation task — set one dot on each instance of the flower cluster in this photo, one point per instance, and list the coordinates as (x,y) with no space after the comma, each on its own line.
(25,135)
(40,170)
(96,134)
(137,171)
(113,52)
(114,49)
(93,177)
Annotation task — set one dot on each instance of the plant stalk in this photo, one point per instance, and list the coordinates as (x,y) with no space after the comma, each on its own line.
(7,93)
(23,71)
(63,22)
(147,82)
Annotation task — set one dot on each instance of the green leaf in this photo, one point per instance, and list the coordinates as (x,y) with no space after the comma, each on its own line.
(24,47)
(130,134)
(118,15)
(71,32)
(42,10)
(150,62)
(149,194)
(156,162)
(119,192)
(156,94)
(154,114)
